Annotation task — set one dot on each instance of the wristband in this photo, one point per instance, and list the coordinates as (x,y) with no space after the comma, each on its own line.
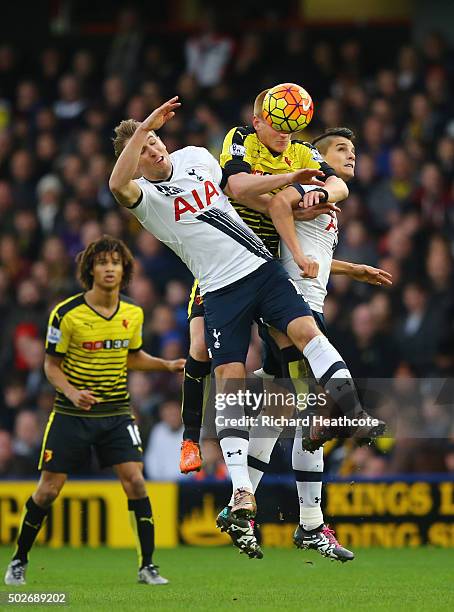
(324,192)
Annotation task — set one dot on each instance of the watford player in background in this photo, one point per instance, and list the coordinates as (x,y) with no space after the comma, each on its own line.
(93,338)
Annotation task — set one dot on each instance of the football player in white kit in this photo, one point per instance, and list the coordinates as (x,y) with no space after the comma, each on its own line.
(178,197)
(317,239)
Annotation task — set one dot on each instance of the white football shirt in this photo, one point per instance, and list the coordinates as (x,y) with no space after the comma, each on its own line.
(318,238)
(191,215)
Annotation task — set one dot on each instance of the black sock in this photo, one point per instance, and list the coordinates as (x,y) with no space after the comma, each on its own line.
(141,518)
(192,403)
(31,524)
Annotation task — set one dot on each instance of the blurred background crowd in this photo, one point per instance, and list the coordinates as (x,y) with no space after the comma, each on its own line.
(58,108)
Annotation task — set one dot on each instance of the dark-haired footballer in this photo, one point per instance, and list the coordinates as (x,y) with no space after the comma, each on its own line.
(93,338)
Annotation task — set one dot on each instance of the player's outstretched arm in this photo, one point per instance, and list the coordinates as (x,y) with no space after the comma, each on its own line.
(281,213)
(243,186)
(121,183)
(82,398)
(140,360)
(362,273)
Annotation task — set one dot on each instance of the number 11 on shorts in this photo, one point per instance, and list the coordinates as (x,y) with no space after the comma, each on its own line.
(135,435)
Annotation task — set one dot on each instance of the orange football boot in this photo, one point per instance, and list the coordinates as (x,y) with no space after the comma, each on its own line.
(190,457)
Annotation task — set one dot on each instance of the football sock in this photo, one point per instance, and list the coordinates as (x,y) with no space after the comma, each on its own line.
(262,440)
(308,470)
(141,519)
(32,520)
(234,450)
(193,394)
(294,369)
(333,375)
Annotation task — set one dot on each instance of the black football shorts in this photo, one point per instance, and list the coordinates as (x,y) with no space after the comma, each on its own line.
(68,441)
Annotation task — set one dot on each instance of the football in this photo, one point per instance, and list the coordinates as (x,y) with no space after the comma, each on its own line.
(288,107)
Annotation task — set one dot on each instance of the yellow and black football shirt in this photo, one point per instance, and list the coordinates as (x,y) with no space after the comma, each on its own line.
(95,352)
(242,151)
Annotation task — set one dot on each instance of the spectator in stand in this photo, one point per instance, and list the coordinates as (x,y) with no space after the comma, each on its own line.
(161,459)
(143,292)
(356,245)
(208,54)
(49,189)
(27,440)
(433,198)
(387,199)
(419,331)
(369,354)
(14,400)
(123,56)
(6,454)
(23,183)
(70,106)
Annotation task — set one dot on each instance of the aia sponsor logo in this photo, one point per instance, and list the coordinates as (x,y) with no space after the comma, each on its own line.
(199,201)
(98,345)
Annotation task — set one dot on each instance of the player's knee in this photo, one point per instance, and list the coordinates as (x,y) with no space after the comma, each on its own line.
(134,485)
(230,370)
(46,493)
(198,349)
(302,331)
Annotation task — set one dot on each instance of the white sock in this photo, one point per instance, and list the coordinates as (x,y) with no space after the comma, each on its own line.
(321,355)
(262,440)
(235,456)
(309,492)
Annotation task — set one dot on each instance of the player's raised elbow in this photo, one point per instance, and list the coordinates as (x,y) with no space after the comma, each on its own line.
(115,187)
(125,194)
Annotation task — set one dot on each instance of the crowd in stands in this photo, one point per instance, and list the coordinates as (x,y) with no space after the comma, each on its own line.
(57,114)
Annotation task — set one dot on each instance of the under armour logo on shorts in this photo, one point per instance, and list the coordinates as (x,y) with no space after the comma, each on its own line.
(231,453)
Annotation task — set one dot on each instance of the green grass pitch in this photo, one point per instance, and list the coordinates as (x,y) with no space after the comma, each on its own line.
(221,579)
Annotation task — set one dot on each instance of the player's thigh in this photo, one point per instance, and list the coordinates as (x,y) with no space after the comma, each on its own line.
(229,315)
(117,440)
(281,300)
(271,350)
(66,444)
(198,348)
(195,305)
(280,339)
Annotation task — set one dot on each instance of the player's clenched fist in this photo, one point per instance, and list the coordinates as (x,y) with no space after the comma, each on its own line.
(308,266)
(176,365)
